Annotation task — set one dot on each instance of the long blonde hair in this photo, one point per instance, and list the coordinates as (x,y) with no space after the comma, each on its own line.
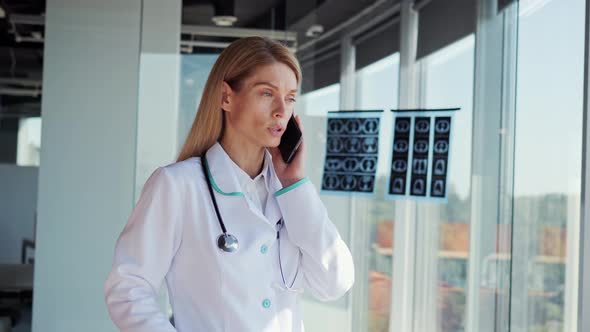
(235,64)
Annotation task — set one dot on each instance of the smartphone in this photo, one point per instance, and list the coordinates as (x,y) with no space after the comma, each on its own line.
(290,141)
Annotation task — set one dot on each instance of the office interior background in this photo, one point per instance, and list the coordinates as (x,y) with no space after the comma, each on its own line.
(94,95)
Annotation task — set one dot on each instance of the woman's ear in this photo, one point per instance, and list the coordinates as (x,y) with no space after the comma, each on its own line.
(226,94)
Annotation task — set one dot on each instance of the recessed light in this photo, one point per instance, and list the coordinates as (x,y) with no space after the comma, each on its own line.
(314,31)
(224,20)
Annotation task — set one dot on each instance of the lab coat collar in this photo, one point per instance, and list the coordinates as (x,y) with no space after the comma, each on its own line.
(220,173)
(225,181)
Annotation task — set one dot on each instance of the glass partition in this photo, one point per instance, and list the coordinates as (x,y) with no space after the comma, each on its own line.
(547,165)
(447,82)
(377,89)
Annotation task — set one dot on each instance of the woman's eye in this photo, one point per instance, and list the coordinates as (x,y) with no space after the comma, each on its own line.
(292,100)
(267,94)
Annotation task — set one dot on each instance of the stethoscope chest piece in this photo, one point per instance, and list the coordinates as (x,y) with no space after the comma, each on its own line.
(227,242)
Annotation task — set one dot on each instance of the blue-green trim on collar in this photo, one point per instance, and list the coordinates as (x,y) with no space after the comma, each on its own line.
(215,184)
(291,187)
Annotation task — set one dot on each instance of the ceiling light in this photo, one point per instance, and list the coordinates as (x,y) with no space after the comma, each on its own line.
(225,14)
(314,31)
(224,20)
(186,49)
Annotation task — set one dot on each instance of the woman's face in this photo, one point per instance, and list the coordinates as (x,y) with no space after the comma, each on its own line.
(258,113)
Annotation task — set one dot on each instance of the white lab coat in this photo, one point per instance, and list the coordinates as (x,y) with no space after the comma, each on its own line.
(172,234)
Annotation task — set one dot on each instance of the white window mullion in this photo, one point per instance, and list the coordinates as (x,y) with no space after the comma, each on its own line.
(402,308)
(357,298)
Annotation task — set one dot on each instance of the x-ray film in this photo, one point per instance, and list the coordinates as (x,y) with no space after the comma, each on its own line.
(420,154)
(400,155)
(352,149)
(420,149)
(440,156)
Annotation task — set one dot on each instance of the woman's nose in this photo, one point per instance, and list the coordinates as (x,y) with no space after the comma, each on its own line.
(280,110)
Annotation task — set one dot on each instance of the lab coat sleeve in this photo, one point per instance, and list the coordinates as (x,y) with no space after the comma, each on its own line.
(326,260)
(143,254)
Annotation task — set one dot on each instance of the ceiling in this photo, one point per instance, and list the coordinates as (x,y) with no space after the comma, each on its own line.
(22,32)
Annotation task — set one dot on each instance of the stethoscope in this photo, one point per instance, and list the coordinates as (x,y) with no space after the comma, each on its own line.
(229,243)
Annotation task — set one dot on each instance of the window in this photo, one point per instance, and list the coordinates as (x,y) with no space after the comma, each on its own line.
(547,165)
(312,107)
(29,142)
(377,89)
(320,102)
(195,69)
(447,81)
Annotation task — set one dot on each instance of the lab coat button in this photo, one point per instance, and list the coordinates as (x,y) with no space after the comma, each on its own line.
(266,303)
(264,249)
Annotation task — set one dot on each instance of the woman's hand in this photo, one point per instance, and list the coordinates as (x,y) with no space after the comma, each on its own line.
(293,171)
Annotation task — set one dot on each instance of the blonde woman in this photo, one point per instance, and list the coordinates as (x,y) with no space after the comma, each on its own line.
(236,232)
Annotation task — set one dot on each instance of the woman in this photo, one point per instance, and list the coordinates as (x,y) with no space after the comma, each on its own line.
(276,238)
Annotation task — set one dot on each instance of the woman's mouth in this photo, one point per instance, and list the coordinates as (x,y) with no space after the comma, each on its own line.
(276,131)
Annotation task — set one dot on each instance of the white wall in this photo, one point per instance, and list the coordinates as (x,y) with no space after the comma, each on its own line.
(86,178)
(18,202)
(89,156)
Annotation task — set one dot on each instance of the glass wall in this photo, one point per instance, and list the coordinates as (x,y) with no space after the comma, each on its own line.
(319,102)
(538,244)
(547,170)
(537,247)
(377,89)
(194,70)
(447,82)
(312,107)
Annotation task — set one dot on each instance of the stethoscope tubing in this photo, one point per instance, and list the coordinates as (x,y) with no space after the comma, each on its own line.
(229,243)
